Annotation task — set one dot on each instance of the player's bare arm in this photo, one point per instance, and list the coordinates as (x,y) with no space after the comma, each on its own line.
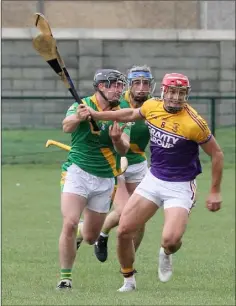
(217,157)
(123,115)
(71,122)
(120,140)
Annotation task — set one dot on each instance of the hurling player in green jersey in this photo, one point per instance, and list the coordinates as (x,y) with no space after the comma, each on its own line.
(140,83)
(87,180)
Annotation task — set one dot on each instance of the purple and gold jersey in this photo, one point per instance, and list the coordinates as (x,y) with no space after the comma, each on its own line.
(174,141)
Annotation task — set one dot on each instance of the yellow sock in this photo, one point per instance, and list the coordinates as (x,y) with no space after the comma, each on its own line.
(127,272)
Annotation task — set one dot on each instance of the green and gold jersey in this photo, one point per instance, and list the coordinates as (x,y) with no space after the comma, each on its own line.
(139,136)
(94,153)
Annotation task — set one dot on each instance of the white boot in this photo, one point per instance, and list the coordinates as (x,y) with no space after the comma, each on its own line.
(165,266)
(129,284)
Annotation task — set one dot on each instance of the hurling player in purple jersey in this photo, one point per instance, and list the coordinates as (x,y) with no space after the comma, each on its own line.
(176,133)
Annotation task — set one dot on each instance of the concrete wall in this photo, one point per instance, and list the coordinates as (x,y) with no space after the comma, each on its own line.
(105,14)
(220,14)
(210,66)
(123,14)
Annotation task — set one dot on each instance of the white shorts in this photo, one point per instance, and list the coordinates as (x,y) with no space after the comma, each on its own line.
(97,190)
(167,194)
(135,173)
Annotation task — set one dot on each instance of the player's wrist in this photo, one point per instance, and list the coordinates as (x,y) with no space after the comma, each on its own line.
(215,189)
(78,119)
(116,141)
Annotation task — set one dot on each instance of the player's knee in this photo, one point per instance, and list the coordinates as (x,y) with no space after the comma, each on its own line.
(124,232)
(89,238)
(118,209)
(170,241)
(69,226)
(142,229)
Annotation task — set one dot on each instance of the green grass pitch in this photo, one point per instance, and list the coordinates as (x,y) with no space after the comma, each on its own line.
(204,269)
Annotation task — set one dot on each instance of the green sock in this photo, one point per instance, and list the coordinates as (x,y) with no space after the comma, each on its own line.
(66,274)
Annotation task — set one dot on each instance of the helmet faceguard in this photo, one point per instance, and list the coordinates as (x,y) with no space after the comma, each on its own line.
(141,78)
(109,77)
(175,91)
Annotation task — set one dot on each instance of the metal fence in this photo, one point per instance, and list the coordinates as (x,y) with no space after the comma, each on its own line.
(219,111)
(28,122)
(47,112)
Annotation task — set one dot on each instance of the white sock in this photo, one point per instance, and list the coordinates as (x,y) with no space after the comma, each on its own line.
(104,235)
(130,279)
(162,251)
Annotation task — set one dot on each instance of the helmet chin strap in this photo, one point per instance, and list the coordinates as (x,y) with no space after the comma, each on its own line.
(111,103)
(173,110)
(138,102)
(168,108)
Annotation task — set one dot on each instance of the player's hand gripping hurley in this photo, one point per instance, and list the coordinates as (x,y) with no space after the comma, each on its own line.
(46,46)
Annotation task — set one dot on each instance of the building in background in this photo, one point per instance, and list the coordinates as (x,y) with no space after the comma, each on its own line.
(191,37)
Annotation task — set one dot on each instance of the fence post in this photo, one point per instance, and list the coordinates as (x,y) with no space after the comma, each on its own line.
(213,116)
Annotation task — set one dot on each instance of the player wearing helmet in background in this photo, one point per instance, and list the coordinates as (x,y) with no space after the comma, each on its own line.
(176,132)
(87,179)
(140,82)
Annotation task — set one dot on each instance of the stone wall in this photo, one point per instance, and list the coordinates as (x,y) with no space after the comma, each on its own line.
(209,65)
